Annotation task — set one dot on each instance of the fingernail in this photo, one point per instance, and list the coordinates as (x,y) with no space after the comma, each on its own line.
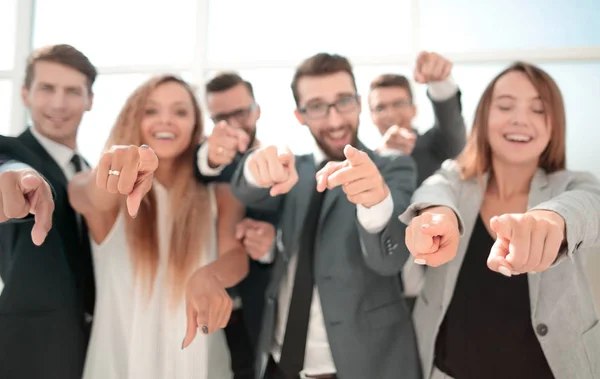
(144,146)
(205,329)
(420,261)
(425,226)
(182,343)
(505,271)
(533,272)
(134,216)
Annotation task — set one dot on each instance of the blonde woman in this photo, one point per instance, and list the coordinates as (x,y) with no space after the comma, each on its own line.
(163,258)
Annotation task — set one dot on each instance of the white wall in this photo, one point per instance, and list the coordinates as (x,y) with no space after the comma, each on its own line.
(265,39)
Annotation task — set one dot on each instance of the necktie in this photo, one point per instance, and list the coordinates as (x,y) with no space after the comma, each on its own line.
(86,282)
(294,342)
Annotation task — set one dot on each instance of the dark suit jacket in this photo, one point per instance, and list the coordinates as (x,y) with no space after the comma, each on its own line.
(445,140)
(43,328)
(367,321)
(252,289)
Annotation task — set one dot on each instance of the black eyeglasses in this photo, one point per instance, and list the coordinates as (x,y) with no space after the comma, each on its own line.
(344,104)
(239,114)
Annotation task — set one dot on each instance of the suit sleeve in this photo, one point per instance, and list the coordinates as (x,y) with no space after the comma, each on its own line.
(206,174)
(447,138)
(382,250)
(246,191)
(579,206)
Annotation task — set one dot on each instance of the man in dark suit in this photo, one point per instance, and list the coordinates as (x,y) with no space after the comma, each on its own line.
(234,111)
(47,300)
(393,110)
(334,306)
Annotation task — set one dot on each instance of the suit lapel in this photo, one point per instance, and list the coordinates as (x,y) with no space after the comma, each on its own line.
(332,196)
(538,193)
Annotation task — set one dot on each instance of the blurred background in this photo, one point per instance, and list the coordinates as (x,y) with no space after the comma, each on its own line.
(130,40)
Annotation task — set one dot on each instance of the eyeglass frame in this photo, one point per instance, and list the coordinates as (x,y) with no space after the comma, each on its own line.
(354,97)
(239,114)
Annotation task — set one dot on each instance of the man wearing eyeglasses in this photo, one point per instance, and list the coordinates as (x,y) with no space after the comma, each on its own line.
(233,109)
(334,308)
(393,110)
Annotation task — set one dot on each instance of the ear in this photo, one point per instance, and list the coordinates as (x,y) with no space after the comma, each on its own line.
(91,102)
(299,116)
(413,111)
(25,96)
(257,112)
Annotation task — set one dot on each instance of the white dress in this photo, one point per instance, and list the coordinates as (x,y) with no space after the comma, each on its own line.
(138,337)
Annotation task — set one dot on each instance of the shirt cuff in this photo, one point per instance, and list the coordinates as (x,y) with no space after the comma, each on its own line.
(375,219)
(443,90)
(248,175)
(202,161)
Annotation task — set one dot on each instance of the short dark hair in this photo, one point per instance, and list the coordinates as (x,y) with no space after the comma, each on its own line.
(225,81)
(321,64)
(392,80)
(63,54)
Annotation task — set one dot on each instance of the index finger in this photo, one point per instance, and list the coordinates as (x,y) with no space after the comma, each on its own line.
(43,209)
(243,139)
(355,156)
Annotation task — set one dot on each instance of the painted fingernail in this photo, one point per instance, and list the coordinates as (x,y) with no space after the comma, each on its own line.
(420,261)
(182,343)
(144,146)
(505,271)
(205,329)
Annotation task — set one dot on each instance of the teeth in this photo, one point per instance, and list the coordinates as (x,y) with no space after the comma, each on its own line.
(517,137)
(164,135)
(337,134)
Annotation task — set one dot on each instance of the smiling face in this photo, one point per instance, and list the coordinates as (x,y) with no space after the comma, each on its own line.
(330,107)
(519,127)
(168,122)
(57,99)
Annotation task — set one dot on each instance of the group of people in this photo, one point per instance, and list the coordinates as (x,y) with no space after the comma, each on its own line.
(181,255)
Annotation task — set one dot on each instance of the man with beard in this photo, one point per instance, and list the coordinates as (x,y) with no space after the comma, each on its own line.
(234,111)
(334,306)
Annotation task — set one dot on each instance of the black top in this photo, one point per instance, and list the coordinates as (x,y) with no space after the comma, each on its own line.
(487,331)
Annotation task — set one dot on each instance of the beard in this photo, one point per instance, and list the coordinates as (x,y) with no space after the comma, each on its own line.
(334,152)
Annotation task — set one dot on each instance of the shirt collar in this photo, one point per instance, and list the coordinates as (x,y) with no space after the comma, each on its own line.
(59,152)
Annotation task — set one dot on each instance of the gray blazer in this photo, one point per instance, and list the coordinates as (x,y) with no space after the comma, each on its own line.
(367,321)
(561,298)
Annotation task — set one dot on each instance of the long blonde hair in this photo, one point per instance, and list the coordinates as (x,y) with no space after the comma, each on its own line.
(190,208)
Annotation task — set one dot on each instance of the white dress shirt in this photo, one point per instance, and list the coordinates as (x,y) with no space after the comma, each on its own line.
(318,359)
(61,154)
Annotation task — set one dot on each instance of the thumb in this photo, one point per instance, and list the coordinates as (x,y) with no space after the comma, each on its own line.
(501,227)
(148,159)
(497,258)
(355,156)
(240,229)
(285,157)
(243,140)
(30,182)
(192,326)
(438,226)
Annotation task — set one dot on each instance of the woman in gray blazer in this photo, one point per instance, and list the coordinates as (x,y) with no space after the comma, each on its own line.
(506,230)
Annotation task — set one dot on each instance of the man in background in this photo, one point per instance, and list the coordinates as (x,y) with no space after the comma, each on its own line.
(393,110)
(235,112)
